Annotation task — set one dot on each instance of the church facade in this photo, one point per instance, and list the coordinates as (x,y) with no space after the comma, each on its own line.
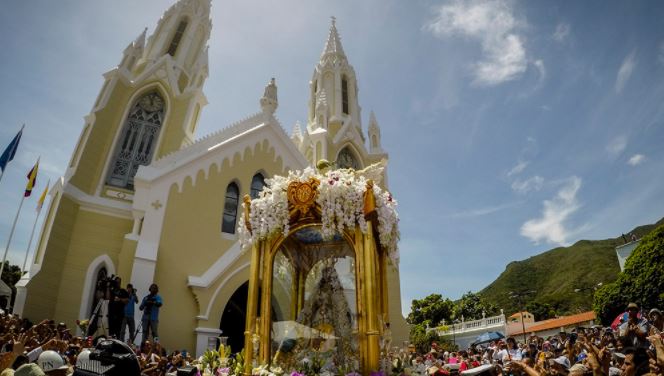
(144,199)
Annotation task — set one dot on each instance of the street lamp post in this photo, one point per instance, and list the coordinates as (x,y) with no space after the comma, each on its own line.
(519,295)
(456,321)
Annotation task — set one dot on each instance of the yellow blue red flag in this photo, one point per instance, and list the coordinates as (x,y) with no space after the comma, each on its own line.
(32,179)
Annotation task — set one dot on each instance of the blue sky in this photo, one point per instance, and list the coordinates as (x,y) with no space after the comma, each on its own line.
(512,126)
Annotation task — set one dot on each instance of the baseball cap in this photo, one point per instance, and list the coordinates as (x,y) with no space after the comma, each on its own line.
(563,361)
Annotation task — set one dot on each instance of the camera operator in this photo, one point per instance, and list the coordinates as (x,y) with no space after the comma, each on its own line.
(150,307)
(128,320)
(117,301)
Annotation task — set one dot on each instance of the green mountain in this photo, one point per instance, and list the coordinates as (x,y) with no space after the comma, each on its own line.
(547,281)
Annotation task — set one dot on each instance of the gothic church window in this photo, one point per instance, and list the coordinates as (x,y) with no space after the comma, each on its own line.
(138,140)
(346,159)
(257,184)
(173,47)
(230,209)
(344,95)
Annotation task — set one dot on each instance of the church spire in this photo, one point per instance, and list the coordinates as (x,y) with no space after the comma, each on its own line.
(333,48)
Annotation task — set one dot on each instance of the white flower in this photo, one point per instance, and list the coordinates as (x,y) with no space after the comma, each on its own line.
(341,199)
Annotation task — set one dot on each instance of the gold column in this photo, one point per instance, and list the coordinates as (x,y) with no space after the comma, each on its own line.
(373,348)
(300,290)
(361,297)
(294,294)
(266,301)
(383,287)
(252,300)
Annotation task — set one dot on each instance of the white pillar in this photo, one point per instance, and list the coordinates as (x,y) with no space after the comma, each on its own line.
(204,337)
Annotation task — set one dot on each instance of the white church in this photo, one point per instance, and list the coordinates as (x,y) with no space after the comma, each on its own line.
(145,199)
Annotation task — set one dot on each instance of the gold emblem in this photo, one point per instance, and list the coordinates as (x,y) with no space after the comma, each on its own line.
(302,196)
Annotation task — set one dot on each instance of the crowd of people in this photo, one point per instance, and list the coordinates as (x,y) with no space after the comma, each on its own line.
(52,349)
(634,348)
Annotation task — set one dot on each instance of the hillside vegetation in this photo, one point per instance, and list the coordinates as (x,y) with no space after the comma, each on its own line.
(555,274)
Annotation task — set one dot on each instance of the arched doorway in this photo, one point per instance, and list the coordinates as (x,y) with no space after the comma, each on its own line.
(234,317)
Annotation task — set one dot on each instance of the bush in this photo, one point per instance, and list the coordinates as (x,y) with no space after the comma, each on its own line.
(641,282)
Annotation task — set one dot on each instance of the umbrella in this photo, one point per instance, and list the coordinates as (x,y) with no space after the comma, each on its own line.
(621,318)
(487,337)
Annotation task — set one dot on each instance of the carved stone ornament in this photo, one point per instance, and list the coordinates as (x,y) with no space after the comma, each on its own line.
(302,196)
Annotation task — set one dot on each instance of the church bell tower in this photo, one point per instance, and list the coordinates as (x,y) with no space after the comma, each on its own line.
(149,104)
(148,107)
(334,122)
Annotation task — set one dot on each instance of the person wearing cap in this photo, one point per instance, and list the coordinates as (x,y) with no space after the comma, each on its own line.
(656,321)
(560,365)
(635,329)
(52,363)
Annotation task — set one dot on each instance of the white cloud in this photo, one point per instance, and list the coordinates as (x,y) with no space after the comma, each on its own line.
(494,25)
(625,71)
(550,227)
(562,32)
(534,183)
(472,213)
(636,159)
(520,166)
(539,64)
(617,145)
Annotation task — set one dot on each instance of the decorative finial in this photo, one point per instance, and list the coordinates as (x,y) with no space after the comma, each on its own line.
(269,101)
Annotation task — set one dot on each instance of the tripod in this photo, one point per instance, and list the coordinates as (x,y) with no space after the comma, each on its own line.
(96,315)
(139,328)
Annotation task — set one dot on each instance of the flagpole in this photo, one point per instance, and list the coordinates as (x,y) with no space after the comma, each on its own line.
(11,234)
(34,226)
(27,251)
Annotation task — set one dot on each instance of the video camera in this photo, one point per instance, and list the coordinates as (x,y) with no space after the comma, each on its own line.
(111,358)
(108,283)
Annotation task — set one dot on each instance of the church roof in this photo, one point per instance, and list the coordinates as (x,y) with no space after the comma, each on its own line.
(219,141)
(333,44)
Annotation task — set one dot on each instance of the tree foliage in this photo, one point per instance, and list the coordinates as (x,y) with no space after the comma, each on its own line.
(641,282)
(541,311)
(11,274)
(430,311)
(471,306)
(423,340)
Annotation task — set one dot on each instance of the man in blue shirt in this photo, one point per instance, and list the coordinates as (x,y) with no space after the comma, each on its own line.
(128,319)
(150,307)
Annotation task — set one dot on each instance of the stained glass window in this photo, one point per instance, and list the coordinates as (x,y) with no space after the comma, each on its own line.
(230,209)
(137,141)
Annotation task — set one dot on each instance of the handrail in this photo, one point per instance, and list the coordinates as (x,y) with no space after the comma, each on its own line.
(474,325)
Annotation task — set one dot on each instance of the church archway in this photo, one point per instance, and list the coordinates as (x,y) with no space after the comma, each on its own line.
(234,317)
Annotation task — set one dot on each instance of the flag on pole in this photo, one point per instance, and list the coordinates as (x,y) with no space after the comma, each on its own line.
(42,198)
(32,179)
(10,151)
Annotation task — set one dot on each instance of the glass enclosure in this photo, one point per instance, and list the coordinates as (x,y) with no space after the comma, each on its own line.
(314,301)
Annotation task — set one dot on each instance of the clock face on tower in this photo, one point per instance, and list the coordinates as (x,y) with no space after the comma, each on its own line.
(151,102)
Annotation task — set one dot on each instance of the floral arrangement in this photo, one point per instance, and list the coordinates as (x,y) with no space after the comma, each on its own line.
(341,199)
(217,362)
(83,325)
